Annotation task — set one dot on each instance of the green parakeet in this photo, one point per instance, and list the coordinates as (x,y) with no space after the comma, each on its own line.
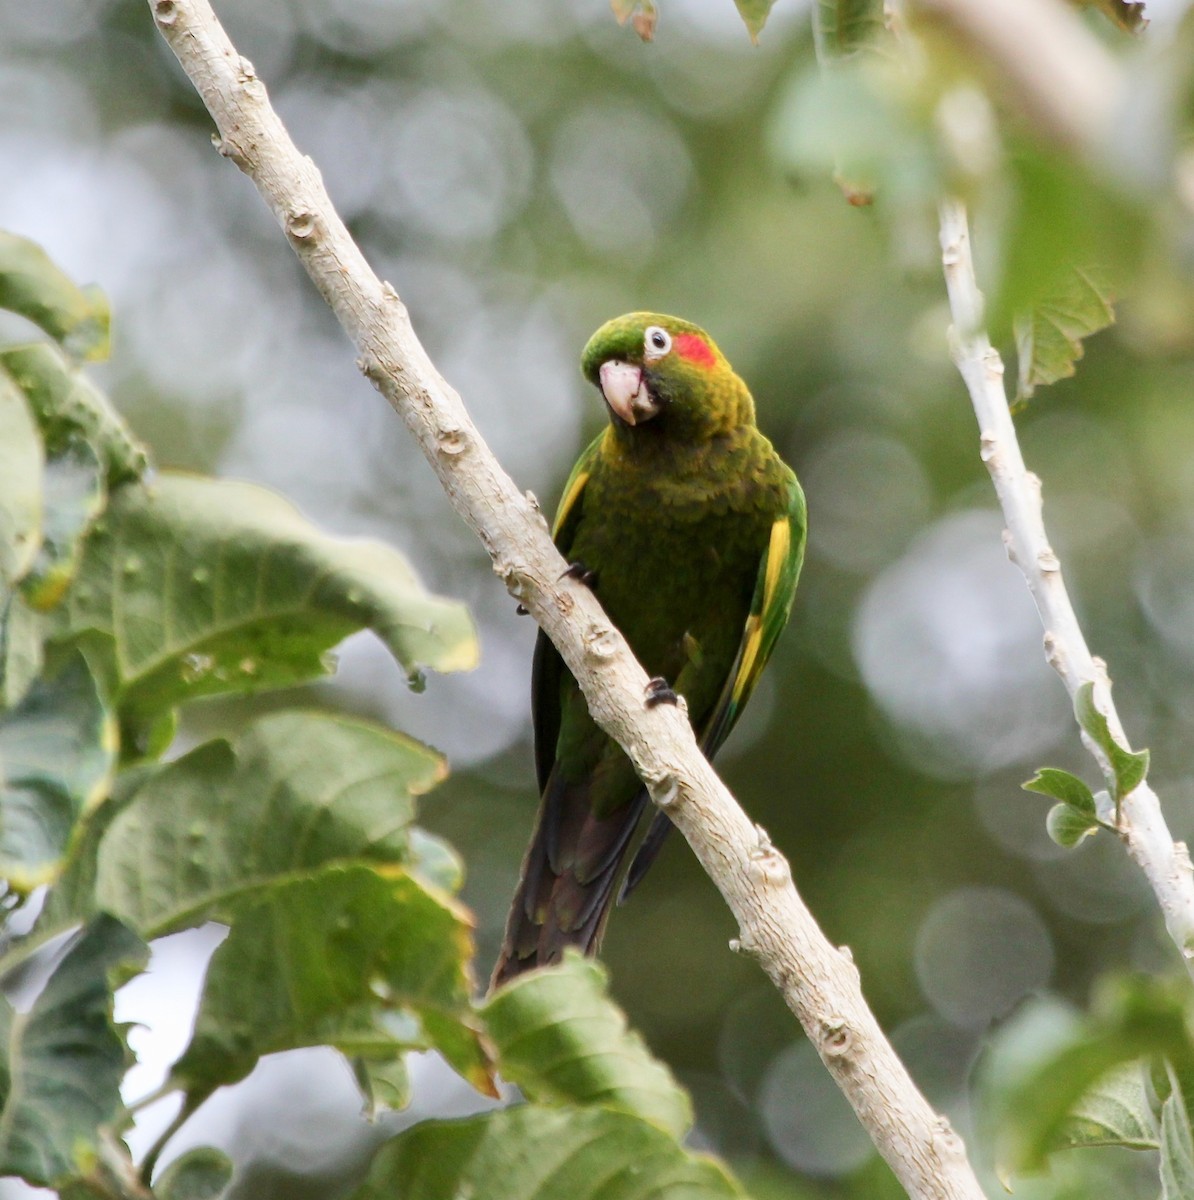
(690,529)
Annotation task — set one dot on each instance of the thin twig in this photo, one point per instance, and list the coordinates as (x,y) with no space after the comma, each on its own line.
(1141,825)
(818,981)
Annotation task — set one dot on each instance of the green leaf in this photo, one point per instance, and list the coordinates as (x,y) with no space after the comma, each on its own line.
(297,791)
(1059,214)
(844,27)
(64,1059)
(71,901)
(21,467)
(545,1153)
(203,586)
(344,958)
(754,14)
(200,1174)
(562,1040)
(1048,1067)
(1127,14)
(1177,1147)
(1115,1112)
(57,756)
(1061,785)
(1049,336)
(433,860)
(1067,826)
(68,405)
(1130,768)
(21,635)
(74,495)
(384,1083)
(30,284)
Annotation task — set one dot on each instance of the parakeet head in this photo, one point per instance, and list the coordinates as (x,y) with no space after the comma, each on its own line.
(665,374)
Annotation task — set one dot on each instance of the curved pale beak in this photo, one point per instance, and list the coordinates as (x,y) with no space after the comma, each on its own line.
(626,392)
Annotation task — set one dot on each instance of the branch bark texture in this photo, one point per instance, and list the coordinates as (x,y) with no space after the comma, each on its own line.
(818,981)
(1141,824)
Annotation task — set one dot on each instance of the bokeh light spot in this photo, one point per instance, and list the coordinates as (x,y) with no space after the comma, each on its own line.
(980,950)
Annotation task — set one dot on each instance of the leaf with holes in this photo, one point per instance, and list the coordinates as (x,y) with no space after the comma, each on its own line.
(30,284)
(63,1059)
(199,586)
(562,1040)
(369,963)
(68,405)
(548,1153)
(296,792)
(57,757)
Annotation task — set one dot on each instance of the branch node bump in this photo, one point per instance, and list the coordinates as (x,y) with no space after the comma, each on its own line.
(165,12)
(1047,561)
(301,225)
(451,441)
(246,73)
(766,864)
(533,500)
(993,364)
(1054,652)
(370,366)
(601,641)
(836,1038)
(663,785)
(988,444)
(847,954)
(1009,546)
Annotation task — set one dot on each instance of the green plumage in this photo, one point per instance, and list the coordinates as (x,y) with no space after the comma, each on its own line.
(694,528)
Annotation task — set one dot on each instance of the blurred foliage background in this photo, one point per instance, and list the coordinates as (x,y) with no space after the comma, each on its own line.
(521,172)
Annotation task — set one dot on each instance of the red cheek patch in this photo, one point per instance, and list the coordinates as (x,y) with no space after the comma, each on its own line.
(694,348)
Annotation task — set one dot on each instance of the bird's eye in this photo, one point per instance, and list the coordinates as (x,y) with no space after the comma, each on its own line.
(656,342)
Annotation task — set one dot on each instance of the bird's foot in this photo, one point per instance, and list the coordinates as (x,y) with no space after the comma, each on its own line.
(659,691)
(581,573)
(521,610)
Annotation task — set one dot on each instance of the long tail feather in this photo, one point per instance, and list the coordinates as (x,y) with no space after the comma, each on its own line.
(569,878)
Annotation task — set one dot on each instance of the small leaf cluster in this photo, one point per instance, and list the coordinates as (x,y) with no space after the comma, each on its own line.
(126,593)
(1052,1081)
(1077,813)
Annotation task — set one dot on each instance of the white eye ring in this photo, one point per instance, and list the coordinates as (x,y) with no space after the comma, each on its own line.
(656,342)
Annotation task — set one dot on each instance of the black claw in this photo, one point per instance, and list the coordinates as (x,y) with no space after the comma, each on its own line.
(580,572)
(521,610)
(659,691)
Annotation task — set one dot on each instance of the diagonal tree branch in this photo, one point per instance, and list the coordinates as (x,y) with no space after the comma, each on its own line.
(1141,825)
(819,982)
